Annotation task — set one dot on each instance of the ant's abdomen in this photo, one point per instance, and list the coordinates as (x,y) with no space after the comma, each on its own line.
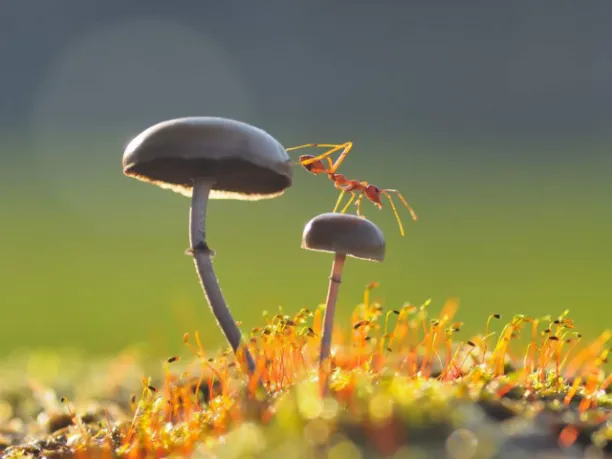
(303,158)
(315,167)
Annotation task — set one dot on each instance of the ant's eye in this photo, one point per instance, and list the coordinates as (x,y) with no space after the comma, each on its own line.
(377,189)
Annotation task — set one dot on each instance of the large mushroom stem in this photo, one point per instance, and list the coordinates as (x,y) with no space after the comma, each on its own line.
(203,263)
(328,320)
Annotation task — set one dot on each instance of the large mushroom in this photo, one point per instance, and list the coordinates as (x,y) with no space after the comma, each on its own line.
(343,235)
(210,158)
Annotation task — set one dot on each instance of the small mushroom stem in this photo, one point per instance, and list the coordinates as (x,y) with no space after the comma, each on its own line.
(328,320)
(204,268)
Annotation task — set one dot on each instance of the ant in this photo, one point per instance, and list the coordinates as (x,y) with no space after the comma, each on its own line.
(315,165)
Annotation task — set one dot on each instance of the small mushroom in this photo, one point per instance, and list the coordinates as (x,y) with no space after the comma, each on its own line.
(210,158)
(344,235)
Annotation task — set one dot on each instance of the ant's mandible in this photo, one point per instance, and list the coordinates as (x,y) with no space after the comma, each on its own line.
(315,165)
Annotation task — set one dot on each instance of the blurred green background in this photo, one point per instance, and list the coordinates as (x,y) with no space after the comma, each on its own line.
(493,122)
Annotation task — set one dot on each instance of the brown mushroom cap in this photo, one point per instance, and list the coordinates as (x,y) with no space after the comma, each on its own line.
(346,234)
(244,161)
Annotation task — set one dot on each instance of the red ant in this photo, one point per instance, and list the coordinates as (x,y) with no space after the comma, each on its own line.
(315,165)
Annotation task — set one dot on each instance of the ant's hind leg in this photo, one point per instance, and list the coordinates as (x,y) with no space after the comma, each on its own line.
(306,145)
(314,145)
(347,148)
(334,148)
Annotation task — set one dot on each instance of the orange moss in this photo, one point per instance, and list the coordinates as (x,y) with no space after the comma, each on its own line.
(404,343)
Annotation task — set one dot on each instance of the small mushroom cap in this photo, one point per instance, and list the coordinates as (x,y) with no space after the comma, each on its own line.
(344,233)
(244,161)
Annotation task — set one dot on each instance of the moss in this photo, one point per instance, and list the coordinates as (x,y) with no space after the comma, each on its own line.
(402,385)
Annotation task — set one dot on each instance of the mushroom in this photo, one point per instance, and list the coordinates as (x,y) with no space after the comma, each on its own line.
(210,158)
(344,235)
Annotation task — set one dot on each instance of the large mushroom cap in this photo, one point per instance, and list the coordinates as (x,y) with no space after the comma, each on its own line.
(346,234)
(244,161)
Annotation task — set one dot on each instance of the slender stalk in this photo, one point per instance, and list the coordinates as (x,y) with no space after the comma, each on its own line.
(204,268)
(328,320)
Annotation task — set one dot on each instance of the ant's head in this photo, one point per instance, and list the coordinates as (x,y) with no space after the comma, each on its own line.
(315,167)
(373,193)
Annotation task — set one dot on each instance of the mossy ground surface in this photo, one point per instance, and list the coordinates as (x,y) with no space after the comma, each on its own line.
(403,384)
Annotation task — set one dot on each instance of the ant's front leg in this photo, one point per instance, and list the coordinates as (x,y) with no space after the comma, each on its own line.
(358,205)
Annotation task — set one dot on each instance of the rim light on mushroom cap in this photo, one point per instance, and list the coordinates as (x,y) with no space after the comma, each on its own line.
(348,234)
(246,162)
